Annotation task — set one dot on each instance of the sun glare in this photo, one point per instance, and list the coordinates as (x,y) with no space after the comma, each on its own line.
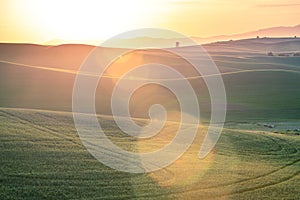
(84,20)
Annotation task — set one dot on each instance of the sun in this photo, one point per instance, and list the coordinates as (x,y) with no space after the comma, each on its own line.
(84,19)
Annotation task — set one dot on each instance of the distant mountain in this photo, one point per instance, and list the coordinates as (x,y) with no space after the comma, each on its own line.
(282,31)
(56,42)
(274,32)
(256,45)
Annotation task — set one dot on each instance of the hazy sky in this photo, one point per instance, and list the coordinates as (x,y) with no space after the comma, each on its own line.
(38,21)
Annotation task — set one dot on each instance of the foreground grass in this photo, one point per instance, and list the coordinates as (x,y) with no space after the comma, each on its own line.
(43,158)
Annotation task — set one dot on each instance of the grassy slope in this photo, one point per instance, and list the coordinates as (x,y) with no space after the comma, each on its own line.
(42,157)
(251,95)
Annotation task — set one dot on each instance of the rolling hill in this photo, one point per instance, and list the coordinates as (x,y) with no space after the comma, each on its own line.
(258,86)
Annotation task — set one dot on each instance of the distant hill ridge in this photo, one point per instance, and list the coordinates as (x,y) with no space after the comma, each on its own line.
(281,31)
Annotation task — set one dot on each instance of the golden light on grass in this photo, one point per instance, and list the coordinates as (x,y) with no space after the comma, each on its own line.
(188,169)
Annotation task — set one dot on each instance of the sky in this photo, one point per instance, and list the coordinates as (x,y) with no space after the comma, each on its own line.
(39,21)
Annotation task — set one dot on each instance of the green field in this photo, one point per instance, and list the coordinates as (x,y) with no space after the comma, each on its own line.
(43,158)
